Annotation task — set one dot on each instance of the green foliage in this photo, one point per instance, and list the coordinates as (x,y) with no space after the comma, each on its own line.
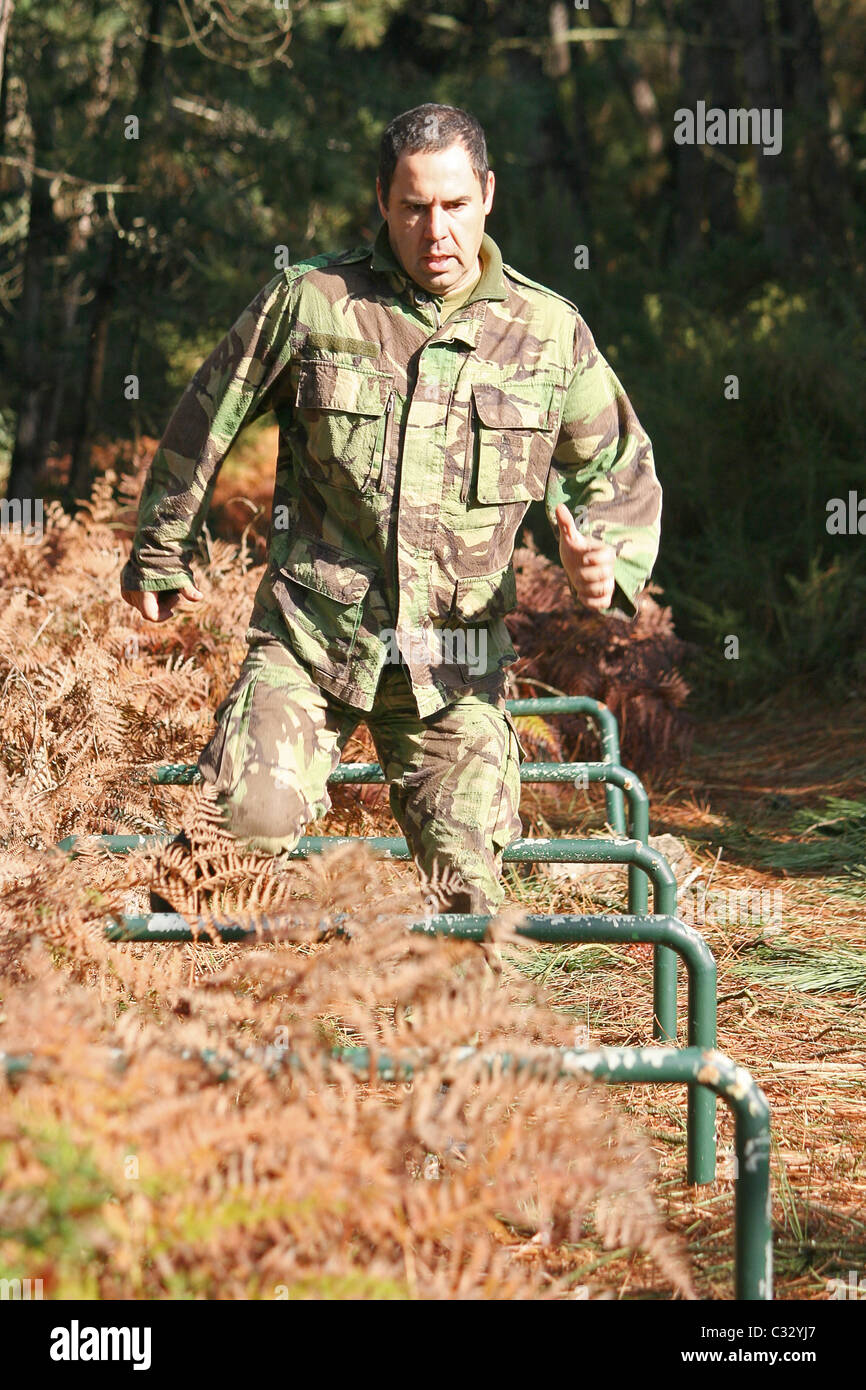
(745,550)
(57,1219)
(840,815)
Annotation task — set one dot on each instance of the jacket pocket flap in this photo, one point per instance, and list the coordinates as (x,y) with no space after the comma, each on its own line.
(326,385)
(478,597)
(327,570)
(525,405)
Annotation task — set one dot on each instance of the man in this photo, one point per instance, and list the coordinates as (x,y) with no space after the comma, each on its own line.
(425,394)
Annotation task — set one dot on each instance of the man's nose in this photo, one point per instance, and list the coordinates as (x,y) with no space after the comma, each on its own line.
(435,223)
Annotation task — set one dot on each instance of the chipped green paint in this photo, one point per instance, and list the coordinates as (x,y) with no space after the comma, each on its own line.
(551,851)
(640,857)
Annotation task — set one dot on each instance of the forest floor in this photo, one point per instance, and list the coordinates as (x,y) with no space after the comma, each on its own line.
(770,814)
(791,983)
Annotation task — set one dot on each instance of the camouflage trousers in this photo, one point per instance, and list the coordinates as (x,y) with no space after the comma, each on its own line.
(454,777)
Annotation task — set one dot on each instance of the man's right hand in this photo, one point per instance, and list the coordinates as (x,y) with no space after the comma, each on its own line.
(159,607)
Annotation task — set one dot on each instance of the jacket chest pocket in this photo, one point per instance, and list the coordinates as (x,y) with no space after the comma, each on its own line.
(512,433)
(345,412)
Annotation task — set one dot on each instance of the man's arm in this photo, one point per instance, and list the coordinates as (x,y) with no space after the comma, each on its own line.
(229,390)
(603,462)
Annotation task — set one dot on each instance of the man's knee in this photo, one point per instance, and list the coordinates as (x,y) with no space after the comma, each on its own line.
(269,757)
(267,814)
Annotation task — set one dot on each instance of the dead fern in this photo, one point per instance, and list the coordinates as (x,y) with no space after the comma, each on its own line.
(193,1095)
(631,667)
(473,1181)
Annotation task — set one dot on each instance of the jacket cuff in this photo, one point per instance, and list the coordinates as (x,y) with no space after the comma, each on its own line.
(133,576)
(622,603)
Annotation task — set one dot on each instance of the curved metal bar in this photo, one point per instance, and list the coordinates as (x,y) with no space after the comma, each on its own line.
(692,1066)
(608,732)
(558,929)
(551,851)
(567,851)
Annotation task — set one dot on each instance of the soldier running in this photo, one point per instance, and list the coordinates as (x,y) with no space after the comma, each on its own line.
(425,394)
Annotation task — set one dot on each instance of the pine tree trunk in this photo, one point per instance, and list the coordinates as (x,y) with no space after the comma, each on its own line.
(6,8)
(689,159)
(80,479)
(633,81)
(33,382)
(762,92)
(721,172)
(80,474)
(821,181)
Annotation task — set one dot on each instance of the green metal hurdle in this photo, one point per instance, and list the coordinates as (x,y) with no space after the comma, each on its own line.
(710,1072)
(594,710)
(559,929)
(696,1067)
(620,785)
(562,851)
(668,936)
(615,777)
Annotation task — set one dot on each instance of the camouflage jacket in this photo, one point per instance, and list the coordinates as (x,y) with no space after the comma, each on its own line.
(408,455)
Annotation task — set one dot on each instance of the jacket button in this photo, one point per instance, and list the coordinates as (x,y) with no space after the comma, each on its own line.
(421,297)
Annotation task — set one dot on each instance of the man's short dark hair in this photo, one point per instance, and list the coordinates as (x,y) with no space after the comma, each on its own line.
(431,127)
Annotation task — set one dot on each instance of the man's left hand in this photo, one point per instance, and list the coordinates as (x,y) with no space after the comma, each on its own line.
(587,562)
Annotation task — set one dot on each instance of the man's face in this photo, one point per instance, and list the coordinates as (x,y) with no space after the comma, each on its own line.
(435,215)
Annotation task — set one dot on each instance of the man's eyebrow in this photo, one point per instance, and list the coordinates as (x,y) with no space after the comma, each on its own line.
(446,202)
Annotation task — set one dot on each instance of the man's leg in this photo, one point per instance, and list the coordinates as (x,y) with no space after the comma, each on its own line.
(455,784)
(278,738)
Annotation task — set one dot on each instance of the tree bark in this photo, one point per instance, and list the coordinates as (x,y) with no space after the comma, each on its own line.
(705,176)
(763,93)
(6,8)
(570,138)
(33,379)
(721,173)
(94,371)
(821,183)
(689,159)
(633,80)
(80,474)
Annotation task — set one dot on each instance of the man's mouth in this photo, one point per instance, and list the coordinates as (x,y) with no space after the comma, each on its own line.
(437,262)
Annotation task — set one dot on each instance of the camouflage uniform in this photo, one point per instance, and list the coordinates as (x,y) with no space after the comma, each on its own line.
(409,451)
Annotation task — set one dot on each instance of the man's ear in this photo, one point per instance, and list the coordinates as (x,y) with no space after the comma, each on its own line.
(488,197)
(382,208)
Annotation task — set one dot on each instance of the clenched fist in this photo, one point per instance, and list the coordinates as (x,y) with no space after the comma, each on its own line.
(158,607)
(587,562)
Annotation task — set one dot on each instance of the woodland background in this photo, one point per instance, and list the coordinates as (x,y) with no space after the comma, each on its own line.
(258,126)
